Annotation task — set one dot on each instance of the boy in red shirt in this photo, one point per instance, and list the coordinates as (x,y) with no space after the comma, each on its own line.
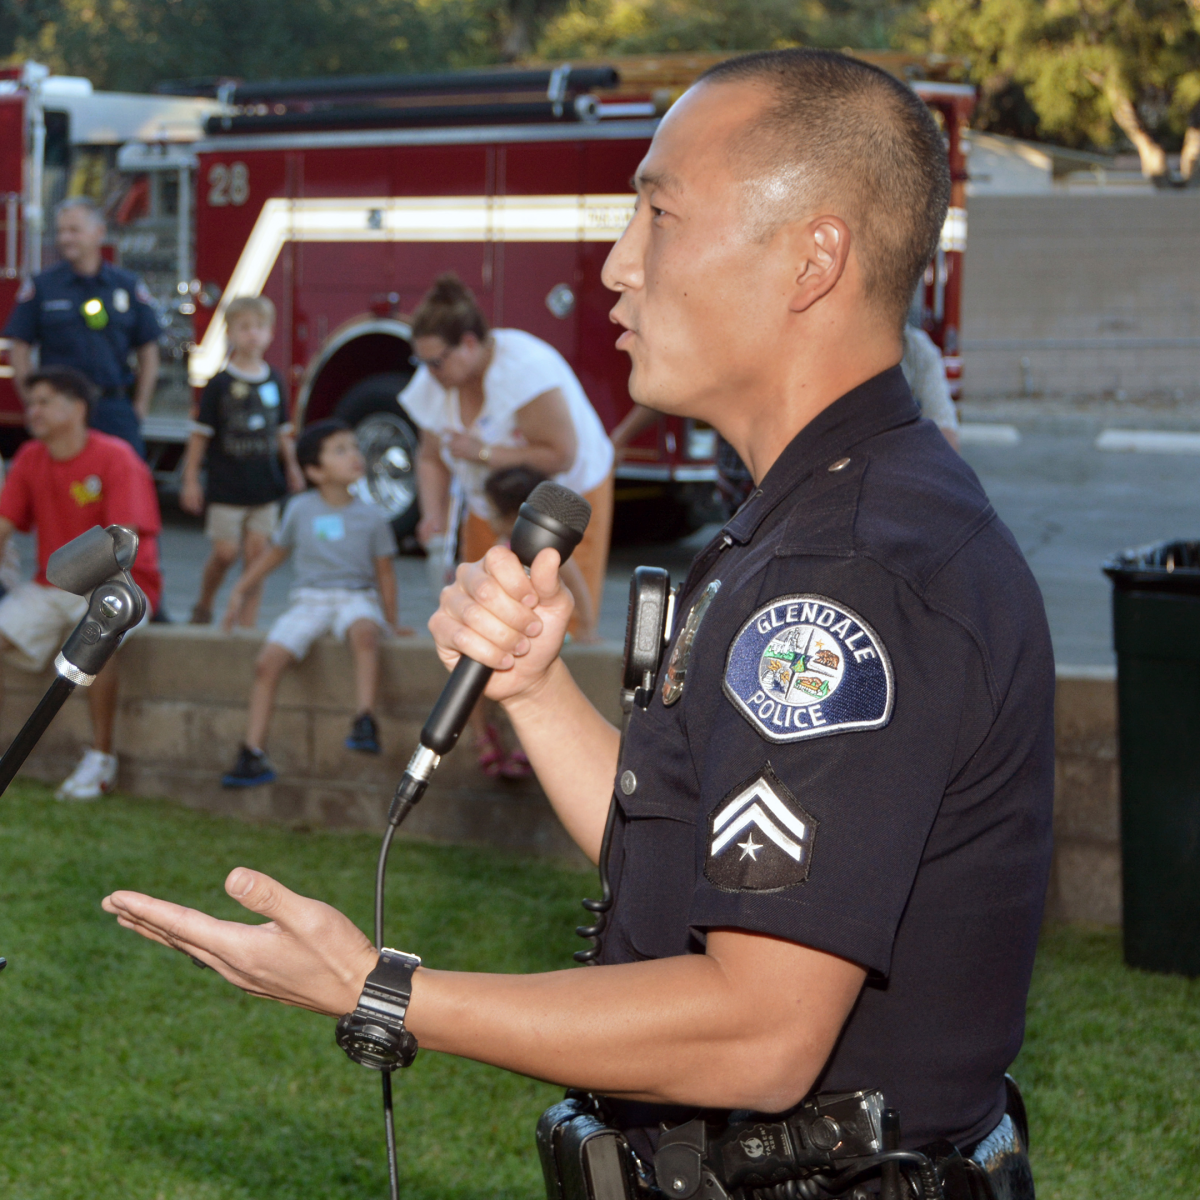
(63,482)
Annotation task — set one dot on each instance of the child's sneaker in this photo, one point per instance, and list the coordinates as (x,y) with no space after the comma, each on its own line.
(95,775)
(364,735)
(252,768)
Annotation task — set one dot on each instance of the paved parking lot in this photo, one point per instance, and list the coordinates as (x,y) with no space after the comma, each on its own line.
(1069,501)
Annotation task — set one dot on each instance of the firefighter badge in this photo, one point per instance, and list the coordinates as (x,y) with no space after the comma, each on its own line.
(806,666)
(759,837)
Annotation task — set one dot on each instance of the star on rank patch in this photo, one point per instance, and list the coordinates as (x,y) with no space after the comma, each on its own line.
(759,838)
(806,666)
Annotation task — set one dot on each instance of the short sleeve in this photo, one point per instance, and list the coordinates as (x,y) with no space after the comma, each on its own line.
(383,539)
(424,399)
(285,532)
(146,328)
(525,368)
(815,814)
(16,498)
(209,410)
(24,323)
(130,498)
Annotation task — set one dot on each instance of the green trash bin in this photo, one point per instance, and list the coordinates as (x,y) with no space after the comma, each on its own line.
(1156,633)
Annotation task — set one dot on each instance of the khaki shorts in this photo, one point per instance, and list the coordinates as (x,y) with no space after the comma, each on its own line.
(317,611)
(37,620)
(231,522)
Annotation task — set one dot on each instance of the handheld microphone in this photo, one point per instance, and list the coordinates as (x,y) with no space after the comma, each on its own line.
(553,517)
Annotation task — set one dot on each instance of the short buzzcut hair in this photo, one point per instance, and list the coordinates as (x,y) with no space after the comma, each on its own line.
(82,202)
(258,306)
(67,381)
(312,441)
(845,136)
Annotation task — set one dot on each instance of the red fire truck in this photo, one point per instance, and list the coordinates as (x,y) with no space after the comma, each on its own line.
(59,138)
(342,199)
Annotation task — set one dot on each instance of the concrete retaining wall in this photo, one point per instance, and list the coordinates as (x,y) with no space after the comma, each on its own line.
(1097,294)
(183,698)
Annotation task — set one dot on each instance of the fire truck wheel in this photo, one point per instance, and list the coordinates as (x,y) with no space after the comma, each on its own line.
(389,443)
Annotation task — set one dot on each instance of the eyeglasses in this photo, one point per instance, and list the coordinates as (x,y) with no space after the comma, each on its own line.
(434,364)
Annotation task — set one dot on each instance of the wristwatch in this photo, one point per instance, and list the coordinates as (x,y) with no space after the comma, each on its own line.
(485,453)
(374,1034)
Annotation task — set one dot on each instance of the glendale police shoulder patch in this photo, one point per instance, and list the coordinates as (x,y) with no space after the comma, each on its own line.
(759,838)
(806,666)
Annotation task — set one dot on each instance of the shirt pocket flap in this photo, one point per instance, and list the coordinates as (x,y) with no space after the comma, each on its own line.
(656,777)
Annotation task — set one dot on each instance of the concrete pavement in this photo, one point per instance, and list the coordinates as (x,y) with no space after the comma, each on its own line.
(1068,502)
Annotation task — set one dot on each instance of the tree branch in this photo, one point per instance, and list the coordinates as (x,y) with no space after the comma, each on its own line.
(1153,157)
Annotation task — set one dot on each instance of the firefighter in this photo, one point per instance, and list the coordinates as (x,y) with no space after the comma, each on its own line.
(833,826)
(87,314)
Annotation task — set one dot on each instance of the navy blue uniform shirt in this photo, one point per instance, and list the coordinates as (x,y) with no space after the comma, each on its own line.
(850,746)
(49,314)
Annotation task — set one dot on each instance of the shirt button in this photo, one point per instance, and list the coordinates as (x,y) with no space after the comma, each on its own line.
(840,465)
(628,782)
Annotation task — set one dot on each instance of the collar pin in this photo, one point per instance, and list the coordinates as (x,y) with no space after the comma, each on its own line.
(840,465)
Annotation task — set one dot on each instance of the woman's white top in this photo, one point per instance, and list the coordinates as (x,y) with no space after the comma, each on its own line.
(523,367)
(925,371)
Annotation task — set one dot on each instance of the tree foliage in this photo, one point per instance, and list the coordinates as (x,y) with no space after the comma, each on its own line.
(1087,67)
(133,44)
(595,27)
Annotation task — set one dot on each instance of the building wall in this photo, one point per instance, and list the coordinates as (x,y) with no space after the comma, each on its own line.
(1069,295)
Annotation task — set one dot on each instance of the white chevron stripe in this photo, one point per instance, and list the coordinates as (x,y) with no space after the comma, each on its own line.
(760,790)
(754,816)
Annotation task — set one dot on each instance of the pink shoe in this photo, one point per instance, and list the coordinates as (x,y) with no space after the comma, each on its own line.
(516,765)
(491,752)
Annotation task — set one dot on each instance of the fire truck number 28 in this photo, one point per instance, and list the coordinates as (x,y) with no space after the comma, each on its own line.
(228,184)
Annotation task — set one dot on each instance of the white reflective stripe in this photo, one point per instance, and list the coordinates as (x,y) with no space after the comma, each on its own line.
(588,218)
(755,818)
(954,231)
(759,790)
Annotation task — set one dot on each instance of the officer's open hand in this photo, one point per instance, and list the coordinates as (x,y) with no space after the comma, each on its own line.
(512,622)
(308,954)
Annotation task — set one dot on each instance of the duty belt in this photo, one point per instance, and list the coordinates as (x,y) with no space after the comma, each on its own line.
(832,1145)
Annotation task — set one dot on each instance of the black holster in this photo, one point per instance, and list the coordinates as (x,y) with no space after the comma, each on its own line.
(583,1158)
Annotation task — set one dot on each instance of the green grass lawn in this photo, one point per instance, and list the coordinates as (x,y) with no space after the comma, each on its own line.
(127,1073)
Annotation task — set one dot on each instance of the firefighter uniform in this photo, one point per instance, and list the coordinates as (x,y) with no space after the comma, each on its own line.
(850,747)
(91,323)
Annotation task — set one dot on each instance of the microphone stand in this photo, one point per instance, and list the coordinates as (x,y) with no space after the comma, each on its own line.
(96,562)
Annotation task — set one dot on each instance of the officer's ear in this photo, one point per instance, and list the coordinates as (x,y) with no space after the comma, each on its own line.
(820,250)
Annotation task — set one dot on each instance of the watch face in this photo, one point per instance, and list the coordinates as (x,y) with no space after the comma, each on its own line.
(374,1045)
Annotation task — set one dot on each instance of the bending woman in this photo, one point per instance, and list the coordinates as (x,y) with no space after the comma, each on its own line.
(486,399)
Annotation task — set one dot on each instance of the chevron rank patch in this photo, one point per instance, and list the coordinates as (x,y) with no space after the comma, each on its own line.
(806,666)
(759,838)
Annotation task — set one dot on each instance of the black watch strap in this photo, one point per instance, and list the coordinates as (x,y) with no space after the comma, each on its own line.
(374,1034)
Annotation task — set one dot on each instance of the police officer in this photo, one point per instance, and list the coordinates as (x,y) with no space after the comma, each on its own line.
(832,838)
(87,314)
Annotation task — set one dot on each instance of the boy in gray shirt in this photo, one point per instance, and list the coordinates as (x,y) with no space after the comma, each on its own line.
(344,584)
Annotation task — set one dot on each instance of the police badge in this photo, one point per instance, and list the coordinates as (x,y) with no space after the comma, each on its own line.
(676,672)
(806,666)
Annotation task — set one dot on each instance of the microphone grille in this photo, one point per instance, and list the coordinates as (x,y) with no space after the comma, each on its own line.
(564,505)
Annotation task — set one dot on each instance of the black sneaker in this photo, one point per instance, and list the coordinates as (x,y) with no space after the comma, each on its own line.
(364,735)
(252,769)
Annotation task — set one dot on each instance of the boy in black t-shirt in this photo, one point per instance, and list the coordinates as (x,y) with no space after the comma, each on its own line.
(243,436)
